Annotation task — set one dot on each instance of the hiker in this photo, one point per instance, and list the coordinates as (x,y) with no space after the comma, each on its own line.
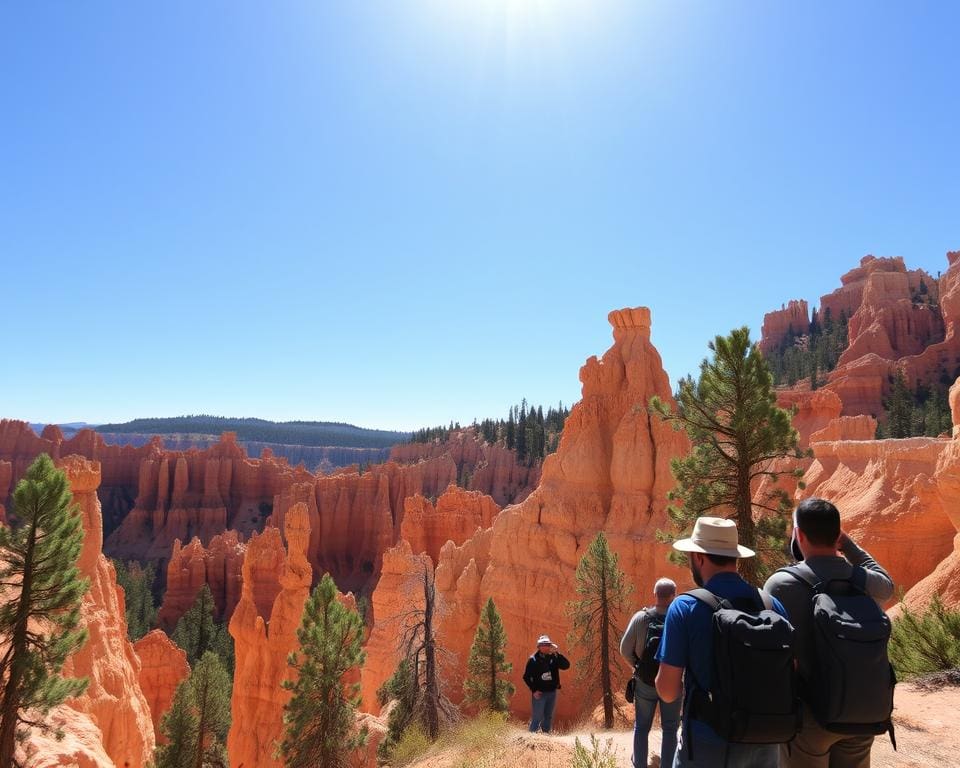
(542,676)
(817,538)
(639,647)
(715,725)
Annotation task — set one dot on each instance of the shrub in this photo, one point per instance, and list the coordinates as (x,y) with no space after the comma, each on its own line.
(413,742)
(598,756)
(927,642)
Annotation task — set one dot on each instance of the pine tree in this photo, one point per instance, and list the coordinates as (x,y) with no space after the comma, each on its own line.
(487,663)
(179,727)
(197,632)
(738,434)
(597,618)
(900,408)
(141,609)
(319,717)
(42,592)
(196,725)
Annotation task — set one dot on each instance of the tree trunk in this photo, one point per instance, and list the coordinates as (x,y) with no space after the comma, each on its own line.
(12,693)
(430,661)
(605,650)
(745,525)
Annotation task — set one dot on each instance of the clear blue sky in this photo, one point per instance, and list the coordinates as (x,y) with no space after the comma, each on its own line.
(401,213)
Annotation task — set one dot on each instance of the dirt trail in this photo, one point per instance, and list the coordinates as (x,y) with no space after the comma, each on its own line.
(927,737)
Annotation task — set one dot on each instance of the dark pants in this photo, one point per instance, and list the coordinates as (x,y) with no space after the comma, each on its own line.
(815,747)
(645,702)
(541,711)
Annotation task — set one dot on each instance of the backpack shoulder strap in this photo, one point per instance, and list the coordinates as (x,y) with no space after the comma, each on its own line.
(707,597)
(858,577)
(803,574)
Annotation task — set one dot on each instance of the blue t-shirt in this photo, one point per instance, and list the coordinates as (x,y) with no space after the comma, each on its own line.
(687,640)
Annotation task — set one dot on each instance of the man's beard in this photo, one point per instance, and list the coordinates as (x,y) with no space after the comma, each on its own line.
(695,571)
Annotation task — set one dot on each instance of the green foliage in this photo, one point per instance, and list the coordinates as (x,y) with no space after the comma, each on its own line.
(199,718)
(318,719)
(316,433)
(598,756)
(197,632)
(527,430)
(912,413)
(597,617)
(488,663)
(924,643)
(410,745)
(40,615)
(137,582)
(809,352)
(401,687)
(738,437)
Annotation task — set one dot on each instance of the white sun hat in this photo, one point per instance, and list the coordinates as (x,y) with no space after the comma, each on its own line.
(545,640)
(714,536)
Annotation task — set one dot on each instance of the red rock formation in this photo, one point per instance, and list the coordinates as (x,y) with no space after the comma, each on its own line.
(218,565)
(113,699)
(163,666)
(777,325)
(490,469)
(846,428)
(6,479)
(815,410)
(81,746)
(456,517)
(355,517)
(611,472)
(182,494)
(888,494)
(396,593)
(263,644)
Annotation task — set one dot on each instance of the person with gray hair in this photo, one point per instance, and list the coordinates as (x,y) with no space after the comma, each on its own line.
(639,647)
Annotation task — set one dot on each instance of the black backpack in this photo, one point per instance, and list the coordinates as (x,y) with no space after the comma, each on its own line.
(852,692)
(754,695)
(648,666)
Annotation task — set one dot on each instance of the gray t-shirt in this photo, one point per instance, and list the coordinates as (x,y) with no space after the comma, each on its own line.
(635,636)
(796,596)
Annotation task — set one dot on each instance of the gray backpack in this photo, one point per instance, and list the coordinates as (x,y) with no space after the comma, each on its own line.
(852,692)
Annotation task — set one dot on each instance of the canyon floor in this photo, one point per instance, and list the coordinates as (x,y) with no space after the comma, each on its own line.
(925,723)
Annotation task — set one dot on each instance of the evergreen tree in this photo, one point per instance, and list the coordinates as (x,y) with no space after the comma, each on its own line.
(141,609)
(197,632)
(900,408)
(319,717)
(41,611)
(179,727)
(487,663)
(597,616)
(738,434)
(199,718)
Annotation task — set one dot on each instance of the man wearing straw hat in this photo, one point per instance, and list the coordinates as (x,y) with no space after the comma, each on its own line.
(686,647)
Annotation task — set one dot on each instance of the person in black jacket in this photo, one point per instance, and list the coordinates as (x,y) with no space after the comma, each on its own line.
(542,676)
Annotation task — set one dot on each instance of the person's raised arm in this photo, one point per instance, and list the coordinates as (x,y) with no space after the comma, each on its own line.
(879,583)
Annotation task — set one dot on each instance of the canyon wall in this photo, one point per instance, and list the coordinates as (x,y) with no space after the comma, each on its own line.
(163,666)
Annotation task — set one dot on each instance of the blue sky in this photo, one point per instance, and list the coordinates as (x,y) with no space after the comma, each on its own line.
(401,213)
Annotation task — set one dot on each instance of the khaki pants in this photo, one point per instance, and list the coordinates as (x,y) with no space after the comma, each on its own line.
(815,747)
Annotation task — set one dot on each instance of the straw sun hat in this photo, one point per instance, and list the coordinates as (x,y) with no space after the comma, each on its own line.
(714,536)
